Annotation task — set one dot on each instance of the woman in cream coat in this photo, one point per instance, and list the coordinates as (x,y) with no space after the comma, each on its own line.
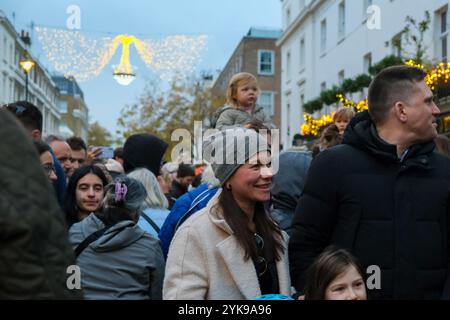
(232,249)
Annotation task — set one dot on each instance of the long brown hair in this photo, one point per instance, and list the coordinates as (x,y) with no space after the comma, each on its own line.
(328,266)
(265,226)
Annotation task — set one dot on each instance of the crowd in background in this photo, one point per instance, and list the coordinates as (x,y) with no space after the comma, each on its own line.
(374,191)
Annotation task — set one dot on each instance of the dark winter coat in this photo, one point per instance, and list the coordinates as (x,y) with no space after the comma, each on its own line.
(388,212)
(287,185)
(34,252)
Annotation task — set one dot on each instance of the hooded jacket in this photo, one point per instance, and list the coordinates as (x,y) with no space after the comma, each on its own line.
(206,262)
(287,185)
(35,253)
(390,212)
(143,151)
(124,263)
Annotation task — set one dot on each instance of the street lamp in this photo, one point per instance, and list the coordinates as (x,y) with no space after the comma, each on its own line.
(27,64)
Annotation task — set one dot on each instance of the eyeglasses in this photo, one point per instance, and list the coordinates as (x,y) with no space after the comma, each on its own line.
(48,168)
(260,262)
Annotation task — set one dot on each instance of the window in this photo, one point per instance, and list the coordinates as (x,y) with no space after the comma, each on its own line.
(288,65)
(341,21)
(288,114)
(11,53)
(323,36)
(341,77)
(302,53)
(302,101)
(444,36)
(323,86)
(367,62)
(5,48)
(62,105)
(266,101)
(288,17)
(266,62)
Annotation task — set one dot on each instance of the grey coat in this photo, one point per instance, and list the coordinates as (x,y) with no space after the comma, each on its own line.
(124,263)
(234,117)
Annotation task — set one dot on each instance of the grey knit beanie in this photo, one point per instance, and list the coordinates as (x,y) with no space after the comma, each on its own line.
(229,149)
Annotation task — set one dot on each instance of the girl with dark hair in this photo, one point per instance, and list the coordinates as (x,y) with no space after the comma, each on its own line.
(118,260)
(84,193)
(335,275)
(232,249)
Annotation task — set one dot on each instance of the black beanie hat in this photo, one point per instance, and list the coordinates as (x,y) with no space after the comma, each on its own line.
(143,151)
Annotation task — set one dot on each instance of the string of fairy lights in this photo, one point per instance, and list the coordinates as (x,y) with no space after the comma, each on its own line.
(74,54)
(312,127)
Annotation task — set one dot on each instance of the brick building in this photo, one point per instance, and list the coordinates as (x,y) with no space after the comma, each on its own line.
(258,55)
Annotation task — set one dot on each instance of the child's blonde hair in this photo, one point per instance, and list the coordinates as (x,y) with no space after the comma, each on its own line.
(237,80)
(345,114)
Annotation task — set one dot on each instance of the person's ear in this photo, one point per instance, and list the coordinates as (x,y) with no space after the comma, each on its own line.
(400,111)
(163,184)
(36,135)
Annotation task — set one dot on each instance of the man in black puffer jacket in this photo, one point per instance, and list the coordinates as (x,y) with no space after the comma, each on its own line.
(383,194)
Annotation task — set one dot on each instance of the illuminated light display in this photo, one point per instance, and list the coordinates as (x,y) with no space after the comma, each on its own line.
(312,127)
(74,54)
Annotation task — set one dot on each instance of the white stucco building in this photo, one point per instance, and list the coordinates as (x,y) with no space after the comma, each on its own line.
(42,91)
(326,41)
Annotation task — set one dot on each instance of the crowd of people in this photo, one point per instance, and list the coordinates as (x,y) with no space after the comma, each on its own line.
(375,191)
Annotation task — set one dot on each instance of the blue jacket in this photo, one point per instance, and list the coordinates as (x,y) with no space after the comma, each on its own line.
(183,208)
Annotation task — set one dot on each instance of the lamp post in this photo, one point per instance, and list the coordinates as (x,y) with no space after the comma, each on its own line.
(27,64)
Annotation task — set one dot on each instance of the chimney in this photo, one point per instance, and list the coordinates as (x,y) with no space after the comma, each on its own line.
(25,37)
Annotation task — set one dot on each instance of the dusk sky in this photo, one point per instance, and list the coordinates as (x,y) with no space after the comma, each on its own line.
(224,22)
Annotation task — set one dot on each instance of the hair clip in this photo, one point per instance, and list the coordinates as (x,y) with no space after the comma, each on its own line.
(120,192)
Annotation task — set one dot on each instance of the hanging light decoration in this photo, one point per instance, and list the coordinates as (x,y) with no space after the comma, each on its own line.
(124,73)
(74,54)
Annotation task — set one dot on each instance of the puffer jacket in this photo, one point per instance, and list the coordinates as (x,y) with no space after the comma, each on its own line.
(35,253)
(235,117)
(389,212)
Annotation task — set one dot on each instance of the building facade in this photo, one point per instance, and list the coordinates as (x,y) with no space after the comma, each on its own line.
(256,54)
(326,41)
(73,109)
(41,88)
